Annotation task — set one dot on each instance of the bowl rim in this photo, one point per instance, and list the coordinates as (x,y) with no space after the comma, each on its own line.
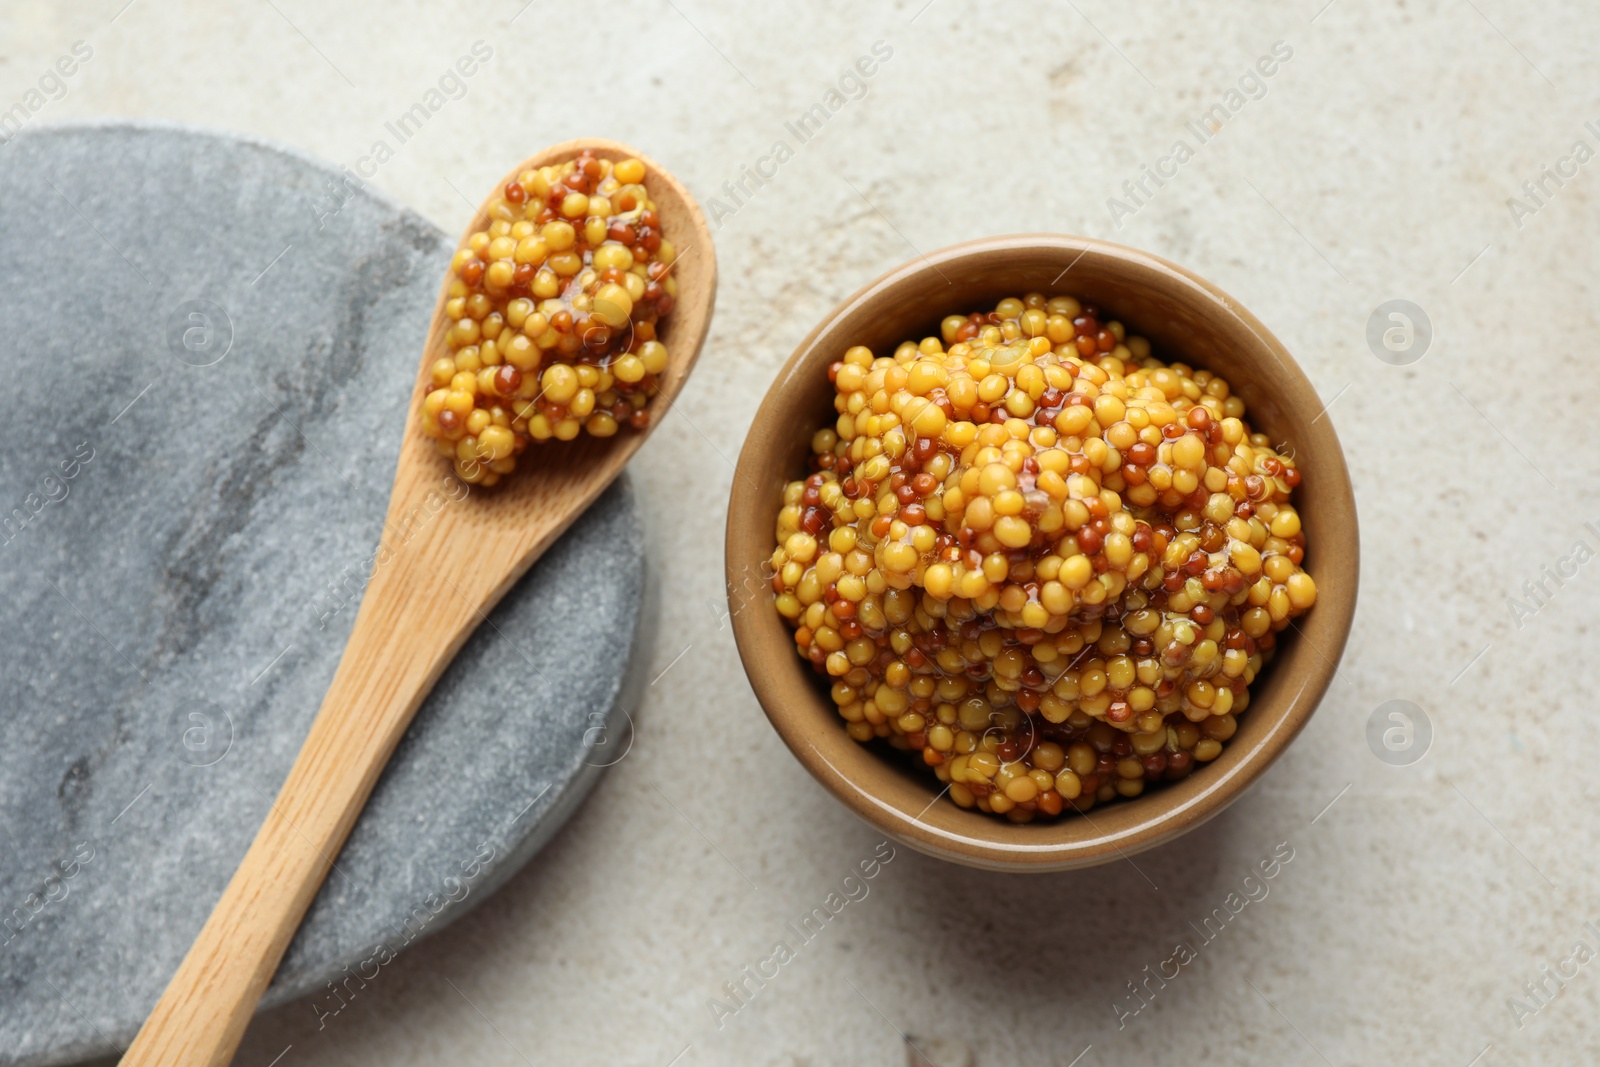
(1004,849)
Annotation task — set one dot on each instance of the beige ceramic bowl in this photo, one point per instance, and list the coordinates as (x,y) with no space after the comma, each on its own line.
(1185,318)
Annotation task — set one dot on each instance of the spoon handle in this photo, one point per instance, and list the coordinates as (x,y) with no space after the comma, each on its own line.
(408,628)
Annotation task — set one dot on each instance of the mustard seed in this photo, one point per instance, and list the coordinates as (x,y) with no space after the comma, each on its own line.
(553,309)
(1035,556)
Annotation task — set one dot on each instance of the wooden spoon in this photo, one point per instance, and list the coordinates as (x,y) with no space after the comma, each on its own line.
(419,608)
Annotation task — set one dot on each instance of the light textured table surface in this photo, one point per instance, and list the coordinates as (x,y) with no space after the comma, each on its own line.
(1374,164)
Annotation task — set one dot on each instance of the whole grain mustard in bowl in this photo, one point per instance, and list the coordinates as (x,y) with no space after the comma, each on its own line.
(1037,540)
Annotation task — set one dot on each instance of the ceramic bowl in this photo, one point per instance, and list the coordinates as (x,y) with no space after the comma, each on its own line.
(1185,318)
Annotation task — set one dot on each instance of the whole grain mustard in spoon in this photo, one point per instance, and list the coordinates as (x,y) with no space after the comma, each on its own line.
(554,307)
(572,314)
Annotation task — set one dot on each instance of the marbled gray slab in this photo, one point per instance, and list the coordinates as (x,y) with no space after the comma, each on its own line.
(187,505)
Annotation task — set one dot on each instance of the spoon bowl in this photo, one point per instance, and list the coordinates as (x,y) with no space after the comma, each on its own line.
(569,475)
(440,568)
